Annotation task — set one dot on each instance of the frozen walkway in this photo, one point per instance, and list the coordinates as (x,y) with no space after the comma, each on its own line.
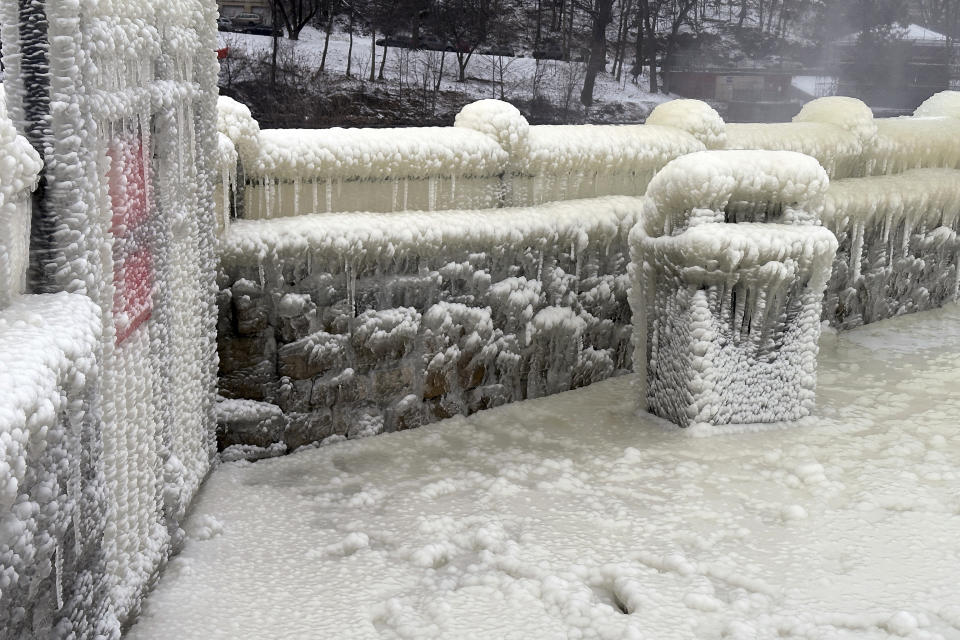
(572,517)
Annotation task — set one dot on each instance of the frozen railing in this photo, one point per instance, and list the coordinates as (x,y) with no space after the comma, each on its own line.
(19,171)
(729,265)
(53,494)
(491,158)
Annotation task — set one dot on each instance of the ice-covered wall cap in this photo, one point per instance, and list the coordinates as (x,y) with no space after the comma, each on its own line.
(719,253)
(414,152)
(945,104)
(713,179)
(849,114)
(370,238)
(600,149)
(19,162)
(235,122)
(501,121)
(693,116)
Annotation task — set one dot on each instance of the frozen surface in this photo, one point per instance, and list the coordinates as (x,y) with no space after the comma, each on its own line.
(550,518)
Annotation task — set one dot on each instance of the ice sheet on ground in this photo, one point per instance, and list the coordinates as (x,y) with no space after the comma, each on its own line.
(571,516)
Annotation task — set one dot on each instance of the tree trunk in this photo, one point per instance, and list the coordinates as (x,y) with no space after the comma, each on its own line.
(326,39)
(373,54)
(383,61)
(651,46)
(350,47)
(743,13)
(273,57)
(536,37)
(603,13)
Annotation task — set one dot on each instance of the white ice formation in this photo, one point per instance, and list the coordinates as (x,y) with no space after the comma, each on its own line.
(837,131)
(19,171)
(120,95)
(491,158)
(693,116)
(943,104)
(728,272)
(899,251)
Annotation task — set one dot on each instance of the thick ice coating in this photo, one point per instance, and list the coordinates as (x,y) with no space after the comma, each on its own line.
(501,121)
(727,316)
(19,170)
(899,250)
(913,143)
(693,116)
(943,104)
(735,186)
(125,116)
(491,158)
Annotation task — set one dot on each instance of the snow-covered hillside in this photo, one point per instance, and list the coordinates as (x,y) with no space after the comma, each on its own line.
(502,77)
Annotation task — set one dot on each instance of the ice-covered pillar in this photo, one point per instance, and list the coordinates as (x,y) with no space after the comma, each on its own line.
(729,264)
(506,125)
(693,116)
(239,147)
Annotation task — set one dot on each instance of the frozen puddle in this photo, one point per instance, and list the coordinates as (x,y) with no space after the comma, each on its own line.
(570,516)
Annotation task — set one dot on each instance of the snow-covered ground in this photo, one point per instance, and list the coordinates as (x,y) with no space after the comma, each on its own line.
(572,516)
(557,80)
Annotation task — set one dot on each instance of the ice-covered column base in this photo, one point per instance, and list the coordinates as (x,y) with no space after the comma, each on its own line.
(727,316)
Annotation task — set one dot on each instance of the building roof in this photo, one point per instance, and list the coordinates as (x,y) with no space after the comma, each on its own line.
(909,32)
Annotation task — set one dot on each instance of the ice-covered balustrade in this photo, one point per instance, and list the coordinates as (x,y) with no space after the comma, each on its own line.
(839,132)
(19,172)
(352,324)
(728,269)
(491,158)
(566,162)
(899,251)
(54,577)
(291,172)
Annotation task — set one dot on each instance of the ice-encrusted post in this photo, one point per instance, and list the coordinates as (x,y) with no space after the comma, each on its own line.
(729,264)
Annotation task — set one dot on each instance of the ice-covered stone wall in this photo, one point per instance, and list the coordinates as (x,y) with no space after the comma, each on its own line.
(346,325)
(119,98)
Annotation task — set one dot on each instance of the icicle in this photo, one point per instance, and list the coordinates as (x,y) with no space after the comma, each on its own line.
(268,189)
(58,577)
(406,192)
(263,274)
(329,195)
(296,196)
(351,278)
(856,251)
(540,267)
(316,196)
(453,191)
(395,187)
(431,193)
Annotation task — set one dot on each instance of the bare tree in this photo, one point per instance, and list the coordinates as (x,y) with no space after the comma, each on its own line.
(601,13)
(294,14)
(466,24)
